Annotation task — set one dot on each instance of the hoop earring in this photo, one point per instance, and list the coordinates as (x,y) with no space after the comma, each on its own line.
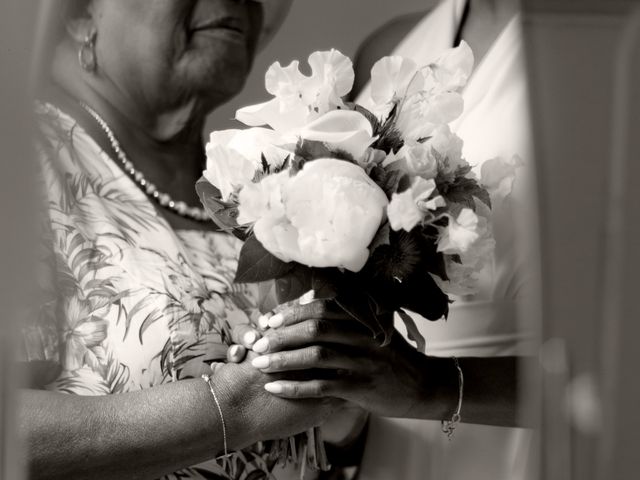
(87,53)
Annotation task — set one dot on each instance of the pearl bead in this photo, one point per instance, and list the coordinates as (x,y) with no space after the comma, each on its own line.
(149,188)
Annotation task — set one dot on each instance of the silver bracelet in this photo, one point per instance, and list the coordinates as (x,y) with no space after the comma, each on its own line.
(449,426)
(207,378)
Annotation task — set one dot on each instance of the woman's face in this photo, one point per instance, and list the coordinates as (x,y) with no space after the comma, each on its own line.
(166,53)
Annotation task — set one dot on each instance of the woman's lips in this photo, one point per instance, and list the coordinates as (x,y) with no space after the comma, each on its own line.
(232,28)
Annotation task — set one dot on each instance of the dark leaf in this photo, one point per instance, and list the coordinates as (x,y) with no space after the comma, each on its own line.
(382,237)
(266,168)
(464,191)
(294,284)
(223,214)
(373,120)
(413,332)
(389,138)
(310,150)
(387,180)
(455,259)
(257,264)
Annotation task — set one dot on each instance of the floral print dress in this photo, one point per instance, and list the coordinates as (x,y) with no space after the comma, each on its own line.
(129,302)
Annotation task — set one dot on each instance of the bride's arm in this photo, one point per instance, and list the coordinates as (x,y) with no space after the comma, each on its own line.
(393,381)
(156,431)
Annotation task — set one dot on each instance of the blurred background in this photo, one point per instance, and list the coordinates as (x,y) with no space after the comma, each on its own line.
(311,26)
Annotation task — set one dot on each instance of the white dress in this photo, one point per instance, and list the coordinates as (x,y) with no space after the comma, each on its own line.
(494,123)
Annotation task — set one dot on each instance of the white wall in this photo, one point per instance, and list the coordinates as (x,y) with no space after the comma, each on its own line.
(315,25)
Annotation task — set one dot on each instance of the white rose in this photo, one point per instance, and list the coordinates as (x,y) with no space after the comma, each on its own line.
(345,130)
(409,208)
(262,199)
(332,211)
(234,157)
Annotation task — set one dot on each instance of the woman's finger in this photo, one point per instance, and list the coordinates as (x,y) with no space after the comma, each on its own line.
(304,309)
(245,335)
(236,353)
(315,357)
(315,331)
(308,389)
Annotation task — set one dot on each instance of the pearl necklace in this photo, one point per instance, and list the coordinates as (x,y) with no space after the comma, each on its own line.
(163,199)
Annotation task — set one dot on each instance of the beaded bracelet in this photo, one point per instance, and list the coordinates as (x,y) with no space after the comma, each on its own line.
(207,378)
(449,426)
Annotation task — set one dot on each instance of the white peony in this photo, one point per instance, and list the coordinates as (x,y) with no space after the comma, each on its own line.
(329,214)
(409,208)
(262,199)
(345,130)
(234,157)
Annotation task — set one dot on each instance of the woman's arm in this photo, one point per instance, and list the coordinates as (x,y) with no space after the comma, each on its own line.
(394,381)
(157,431)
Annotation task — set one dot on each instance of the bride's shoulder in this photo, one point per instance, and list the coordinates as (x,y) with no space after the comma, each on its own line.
(382,42)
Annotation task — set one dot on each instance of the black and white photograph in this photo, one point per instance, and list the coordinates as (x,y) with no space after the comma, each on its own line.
(320,240)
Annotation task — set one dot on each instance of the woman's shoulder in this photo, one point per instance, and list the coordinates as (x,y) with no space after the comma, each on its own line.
(382,42)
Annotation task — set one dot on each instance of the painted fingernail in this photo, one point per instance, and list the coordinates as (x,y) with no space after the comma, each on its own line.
(276,321)
(261,346)
(263,321)
(235,354)
(249,338)
(275,388)
(307,298)
(261,362)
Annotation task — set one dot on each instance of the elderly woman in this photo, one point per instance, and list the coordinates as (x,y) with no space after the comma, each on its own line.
(139,299)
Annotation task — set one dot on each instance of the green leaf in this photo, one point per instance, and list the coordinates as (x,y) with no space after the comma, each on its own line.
(413,332)
(257,264)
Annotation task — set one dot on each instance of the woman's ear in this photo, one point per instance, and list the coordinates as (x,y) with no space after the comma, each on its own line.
(79,22)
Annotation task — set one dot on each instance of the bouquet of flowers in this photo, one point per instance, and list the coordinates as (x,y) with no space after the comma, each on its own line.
(372,207)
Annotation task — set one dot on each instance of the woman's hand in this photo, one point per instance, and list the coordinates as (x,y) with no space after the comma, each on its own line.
(254,414)
(343,358)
